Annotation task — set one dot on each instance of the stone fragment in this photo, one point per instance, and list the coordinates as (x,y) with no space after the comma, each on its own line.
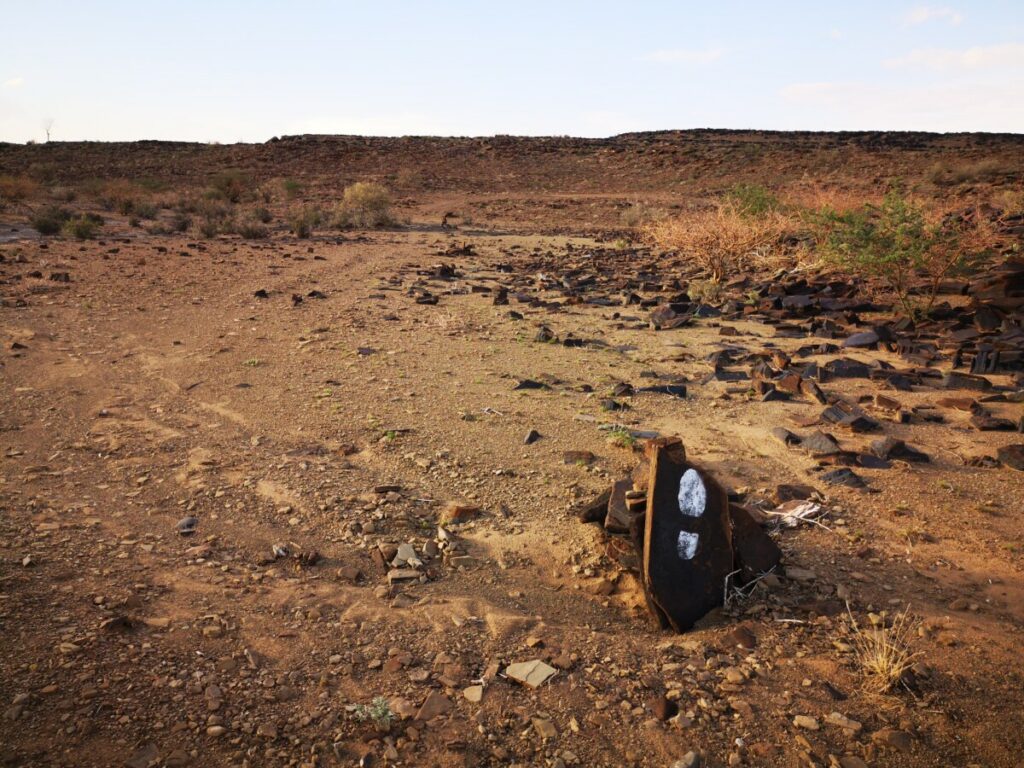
(530,673)
(187,525)
(844,476)
(891,448)
(434,705)
(893,739)
(1012,456)
(806,722)
(956,380)
(690,760)
(754,550)
(544,728)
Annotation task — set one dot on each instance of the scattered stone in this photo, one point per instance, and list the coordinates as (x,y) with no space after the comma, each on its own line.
(806,722)
(689,760)
(187,526)
(891,448)
(844,476)
(530,673)
(531,437)
(474,693)
(893,739)
(434,705)
(1012,456)
(662,708)
(838,719)
(544,728)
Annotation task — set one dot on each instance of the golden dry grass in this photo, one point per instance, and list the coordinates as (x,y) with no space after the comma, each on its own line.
(14,189)
(884,653)
(720,239)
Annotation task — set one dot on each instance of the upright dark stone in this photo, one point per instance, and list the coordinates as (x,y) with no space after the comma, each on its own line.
(687,537)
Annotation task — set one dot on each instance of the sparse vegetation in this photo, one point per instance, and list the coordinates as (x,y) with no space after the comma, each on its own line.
(49,220)
(377,711)
(704,291)
(364,204)
(753,200)
(15,189)
(900,242)
(231,185)
(621,437)
(304,221)
(721,240)
(252,230)
(884,653)
(82,227)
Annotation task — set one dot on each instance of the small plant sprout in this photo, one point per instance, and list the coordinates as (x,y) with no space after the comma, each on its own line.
(621,437)
(377,711)
(253,362)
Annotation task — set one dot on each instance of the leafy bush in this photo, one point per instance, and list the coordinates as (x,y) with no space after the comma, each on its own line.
(82,227)
(721,240)
(231,185)
(262,215)
(304,221)
(365,204)
(753,200)
(292,188)
(49,220)
(899,243)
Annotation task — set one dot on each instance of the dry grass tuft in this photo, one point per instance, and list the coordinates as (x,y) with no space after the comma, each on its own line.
(884,654)
(721,240)
(14,189)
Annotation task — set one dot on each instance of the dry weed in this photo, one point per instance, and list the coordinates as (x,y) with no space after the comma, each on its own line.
(721,240)
(884,654)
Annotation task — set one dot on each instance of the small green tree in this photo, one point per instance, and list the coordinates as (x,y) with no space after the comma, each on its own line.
(898,244)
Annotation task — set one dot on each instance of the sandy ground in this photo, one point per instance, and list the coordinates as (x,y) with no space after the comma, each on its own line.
(155,385)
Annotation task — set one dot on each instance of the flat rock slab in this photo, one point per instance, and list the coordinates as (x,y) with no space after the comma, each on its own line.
(530,673)
(687,537)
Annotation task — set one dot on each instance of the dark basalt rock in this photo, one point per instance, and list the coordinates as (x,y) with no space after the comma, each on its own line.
(687,537)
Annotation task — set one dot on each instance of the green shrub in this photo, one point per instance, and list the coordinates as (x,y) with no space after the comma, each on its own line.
(753,200)
(364,204)
(82,227)
(49,220)
(292,188)
(262,215)
(898,243)
(231,185)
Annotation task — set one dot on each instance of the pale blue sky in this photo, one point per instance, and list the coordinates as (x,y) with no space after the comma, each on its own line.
(246,71)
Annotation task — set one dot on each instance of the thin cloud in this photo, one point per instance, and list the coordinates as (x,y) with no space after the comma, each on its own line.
(1005,56)
(685,55)
(14,82)
(922,14)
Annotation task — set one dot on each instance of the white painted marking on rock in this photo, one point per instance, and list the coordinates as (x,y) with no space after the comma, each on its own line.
(693,496)
(687,545)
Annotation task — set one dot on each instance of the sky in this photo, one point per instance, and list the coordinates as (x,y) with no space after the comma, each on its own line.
(234,70)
